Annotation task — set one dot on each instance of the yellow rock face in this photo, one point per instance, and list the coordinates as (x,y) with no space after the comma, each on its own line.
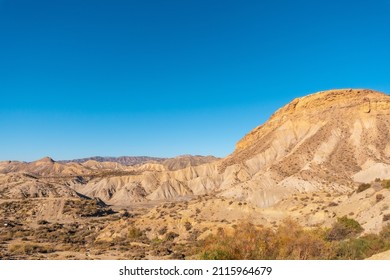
(328,113)
(319,106)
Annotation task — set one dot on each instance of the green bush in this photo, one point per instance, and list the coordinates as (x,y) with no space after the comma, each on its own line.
(361,248)
(352,249)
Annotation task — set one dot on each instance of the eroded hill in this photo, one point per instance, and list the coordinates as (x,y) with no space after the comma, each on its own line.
(309,162)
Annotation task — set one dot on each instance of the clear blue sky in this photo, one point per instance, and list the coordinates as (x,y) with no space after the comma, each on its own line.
(81,78)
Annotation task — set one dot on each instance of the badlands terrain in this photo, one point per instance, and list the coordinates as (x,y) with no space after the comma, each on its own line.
(319,164)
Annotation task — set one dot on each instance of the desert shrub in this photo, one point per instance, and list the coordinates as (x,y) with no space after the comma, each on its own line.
(385,233)
(6,236)
(386,184)
(170,236)
(126,214)
(296,243)
(289,241)
(243,244)
(28,248)
(344,228)
(187,226)
(163,230)
(134,233)
(376,243)
(379,197)
(386,217)
(360,248)
(351,249)
(363,187)
(86,208)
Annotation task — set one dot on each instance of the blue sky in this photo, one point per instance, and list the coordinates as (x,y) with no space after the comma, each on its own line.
(81,78)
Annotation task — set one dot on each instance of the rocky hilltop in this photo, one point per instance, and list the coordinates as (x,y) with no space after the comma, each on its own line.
(328,139)
(359,116)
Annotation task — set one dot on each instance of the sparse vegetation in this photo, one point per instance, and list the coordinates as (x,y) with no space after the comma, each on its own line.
(360,248)
(288,241)
(291,241)
(29,248)
(86,208)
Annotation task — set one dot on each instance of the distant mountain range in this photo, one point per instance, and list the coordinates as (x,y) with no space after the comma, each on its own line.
(125,160)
